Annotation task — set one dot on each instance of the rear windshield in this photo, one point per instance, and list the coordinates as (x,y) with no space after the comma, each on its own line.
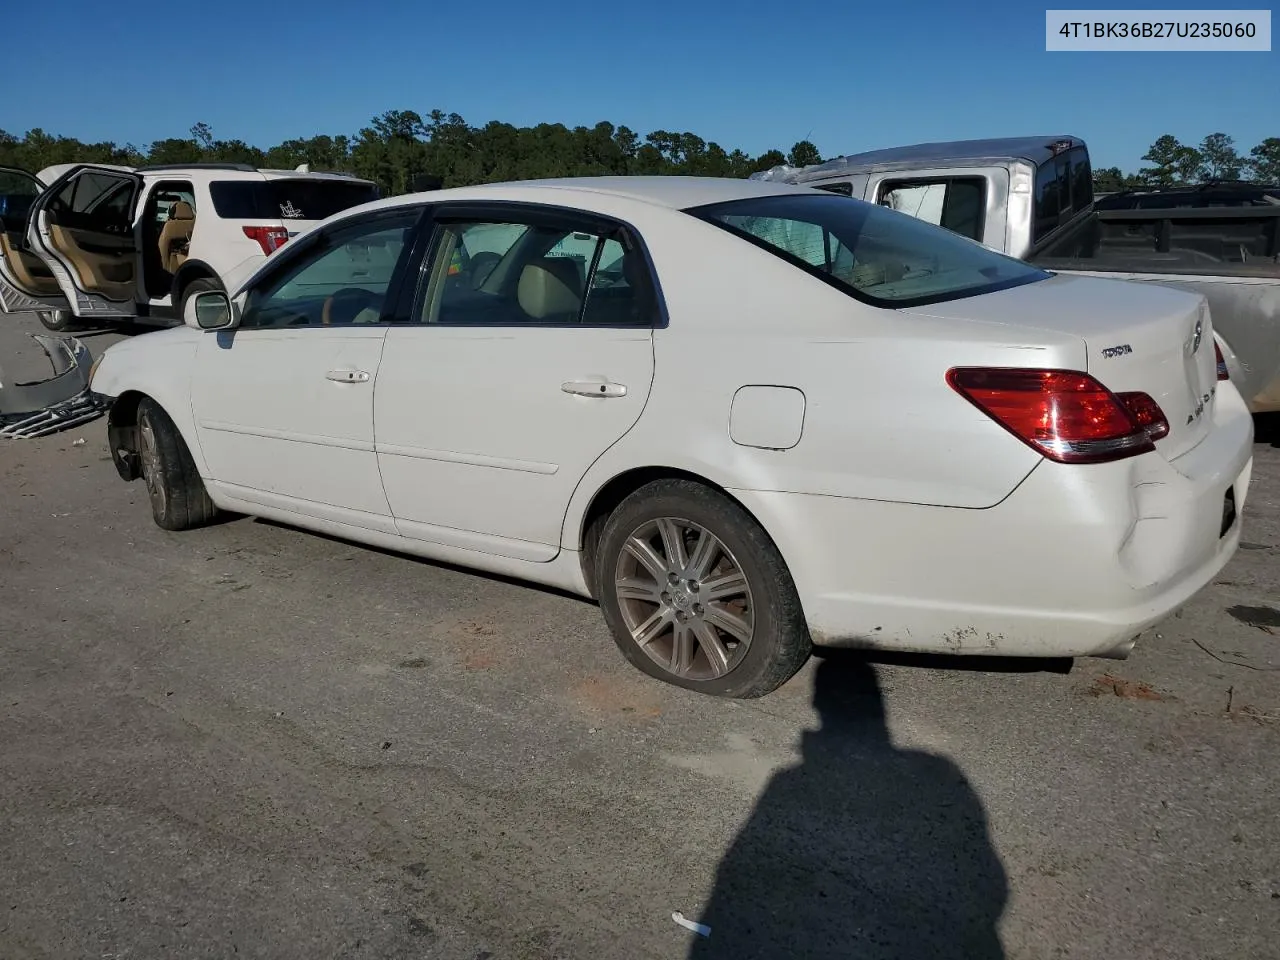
(287,199)
(876,254)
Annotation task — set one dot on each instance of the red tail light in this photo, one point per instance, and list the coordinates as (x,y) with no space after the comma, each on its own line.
(270,239)
(1148,414)
(1223,374)
(1065,415)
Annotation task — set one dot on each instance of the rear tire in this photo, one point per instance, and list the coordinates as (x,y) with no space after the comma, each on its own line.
(718,616)
(59,321)
(191,289)
(179,500)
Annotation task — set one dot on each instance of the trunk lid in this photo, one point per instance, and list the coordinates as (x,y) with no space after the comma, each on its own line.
(1138,337)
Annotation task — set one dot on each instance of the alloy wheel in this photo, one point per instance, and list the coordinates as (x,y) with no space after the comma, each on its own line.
(684,599)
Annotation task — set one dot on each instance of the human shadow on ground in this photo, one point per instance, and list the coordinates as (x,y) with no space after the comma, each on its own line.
(862,850)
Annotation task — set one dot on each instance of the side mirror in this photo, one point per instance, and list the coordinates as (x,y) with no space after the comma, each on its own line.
(210,310)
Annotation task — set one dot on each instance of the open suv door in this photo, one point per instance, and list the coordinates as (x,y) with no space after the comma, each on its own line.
(26,282)
(82,227)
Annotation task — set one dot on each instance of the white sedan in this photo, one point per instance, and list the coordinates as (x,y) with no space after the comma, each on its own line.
(744,417)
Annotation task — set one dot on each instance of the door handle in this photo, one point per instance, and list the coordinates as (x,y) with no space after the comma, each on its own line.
(600,389)
(348,376)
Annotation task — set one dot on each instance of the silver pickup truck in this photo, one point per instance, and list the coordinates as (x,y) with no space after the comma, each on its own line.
(1032,198)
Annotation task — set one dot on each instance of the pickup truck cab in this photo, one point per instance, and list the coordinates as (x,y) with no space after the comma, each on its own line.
(85,243)
(1032,198)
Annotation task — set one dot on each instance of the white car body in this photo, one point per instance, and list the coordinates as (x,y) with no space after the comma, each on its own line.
(236,225)
(909,519)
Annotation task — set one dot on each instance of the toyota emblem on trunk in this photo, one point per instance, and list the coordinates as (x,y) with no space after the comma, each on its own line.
(1195,344)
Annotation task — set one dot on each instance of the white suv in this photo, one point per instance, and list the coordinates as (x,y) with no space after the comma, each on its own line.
(83,243)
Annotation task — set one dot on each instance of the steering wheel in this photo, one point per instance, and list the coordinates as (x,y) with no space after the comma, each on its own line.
(343,306)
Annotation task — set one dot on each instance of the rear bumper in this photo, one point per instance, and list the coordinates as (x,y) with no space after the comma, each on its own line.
(1076,562)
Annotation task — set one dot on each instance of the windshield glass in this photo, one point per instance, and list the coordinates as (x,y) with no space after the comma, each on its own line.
(876,254)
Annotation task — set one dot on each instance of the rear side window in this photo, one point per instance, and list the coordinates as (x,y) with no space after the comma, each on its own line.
(873,253)
(1064,187)
(842,187)
(957,203)
(287,199)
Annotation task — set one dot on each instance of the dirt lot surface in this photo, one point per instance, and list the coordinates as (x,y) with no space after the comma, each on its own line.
(250,741)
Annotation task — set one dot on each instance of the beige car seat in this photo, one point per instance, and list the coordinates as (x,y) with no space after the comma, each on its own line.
(176,234)
(550,289)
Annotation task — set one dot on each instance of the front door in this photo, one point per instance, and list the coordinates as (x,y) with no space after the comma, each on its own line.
(82,227)
(528,353)
(283,403)
(26,283)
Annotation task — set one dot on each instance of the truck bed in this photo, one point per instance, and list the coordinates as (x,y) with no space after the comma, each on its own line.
(1230,255)
(1195,241)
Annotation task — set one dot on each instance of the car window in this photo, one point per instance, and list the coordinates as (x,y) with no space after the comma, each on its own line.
(18,191)
(166,197)
(957,203)
(287,199)
(94,200)
(844,187)
(1081,180)
(875,254)
(491,273)
(343,280)
(1064,185)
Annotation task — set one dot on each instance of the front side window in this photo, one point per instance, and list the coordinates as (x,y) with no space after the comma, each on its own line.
(957,203)
(343,280)
(511,274)
(873,253)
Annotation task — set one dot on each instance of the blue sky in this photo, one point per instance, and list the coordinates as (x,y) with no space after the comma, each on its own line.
(750,75)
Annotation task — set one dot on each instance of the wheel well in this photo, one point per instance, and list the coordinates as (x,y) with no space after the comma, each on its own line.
(608,498)
(186,276)
(122,433)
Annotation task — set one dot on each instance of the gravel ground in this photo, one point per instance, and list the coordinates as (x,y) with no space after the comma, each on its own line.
(252,741)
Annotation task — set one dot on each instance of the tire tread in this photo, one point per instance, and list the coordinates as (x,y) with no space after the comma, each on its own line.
(790,641)
(187,501)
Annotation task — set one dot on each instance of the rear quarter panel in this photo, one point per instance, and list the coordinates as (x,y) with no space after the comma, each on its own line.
(879,420)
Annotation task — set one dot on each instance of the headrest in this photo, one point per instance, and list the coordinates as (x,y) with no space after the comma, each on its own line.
(181,210)
(550,286)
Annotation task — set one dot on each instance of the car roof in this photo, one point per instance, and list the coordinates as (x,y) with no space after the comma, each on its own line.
(676,193)
(1035,150)
(229,170)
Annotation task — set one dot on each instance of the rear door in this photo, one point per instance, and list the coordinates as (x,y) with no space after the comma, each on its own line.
(26,282)
(82,227)
(527,353)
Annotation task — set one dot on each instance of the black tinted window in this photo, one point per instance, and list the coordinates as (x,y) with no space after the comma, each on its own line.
(1052,196)
(287,199)
(17,192)
(1081,180)
(94,201)
(843,188)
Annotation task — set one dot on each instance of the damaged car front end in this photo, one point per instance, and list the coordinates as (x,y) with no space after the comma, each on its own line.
(42,407)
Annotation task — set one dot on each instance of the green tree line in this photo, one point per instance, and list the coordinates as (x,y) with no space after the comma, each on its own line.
(1173,163)
(400,146)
